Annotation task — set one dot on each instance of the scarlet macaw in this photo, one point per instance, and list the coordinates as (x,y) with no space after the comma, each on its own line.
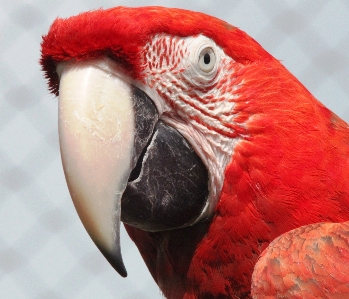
(211,148)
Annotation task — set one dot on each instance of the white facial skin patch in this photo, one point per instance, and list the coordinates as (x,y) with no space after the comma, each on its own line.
(194,82)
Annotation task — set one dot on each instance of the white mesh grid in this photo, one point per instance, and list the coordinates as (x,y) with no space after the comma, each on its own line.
(44,250)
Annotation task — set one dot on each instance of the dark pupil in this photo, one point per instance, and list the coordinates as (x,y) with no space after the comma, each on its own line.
(207,58)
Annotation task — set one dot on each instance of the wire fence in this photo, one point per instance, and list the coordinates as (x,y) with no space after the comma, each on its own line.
(44,250)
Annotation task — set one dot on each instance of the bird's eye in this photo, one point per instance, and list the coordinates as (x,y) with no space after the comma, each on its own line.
(207,59)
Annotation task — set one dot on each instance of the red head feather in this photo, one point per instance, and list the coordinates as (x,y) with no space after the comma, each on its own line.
(122,32)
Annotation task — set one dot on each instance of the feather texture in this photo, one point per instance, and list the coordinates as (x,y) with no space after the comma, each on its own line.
(308,262)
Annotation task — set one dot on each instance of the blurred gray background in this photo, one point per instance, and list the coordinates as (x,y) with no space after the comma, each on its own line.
(44,249)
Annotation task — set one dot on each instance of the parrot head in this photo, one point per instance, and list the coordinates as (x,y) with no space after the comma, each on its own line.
(187,130)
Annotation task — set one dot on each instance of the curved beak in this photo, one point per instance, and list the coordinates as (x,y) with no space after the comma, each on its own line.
(118,156)
(96,133)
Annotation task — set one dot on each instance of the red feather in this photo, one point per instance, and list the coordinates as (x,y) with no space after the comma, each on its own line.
(308,262)
(122,32)
(289,167)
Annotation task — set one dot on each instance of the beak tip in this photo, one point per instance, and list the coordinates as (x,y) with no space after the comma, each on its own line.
(120,268)
(115,260)
(123,274)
